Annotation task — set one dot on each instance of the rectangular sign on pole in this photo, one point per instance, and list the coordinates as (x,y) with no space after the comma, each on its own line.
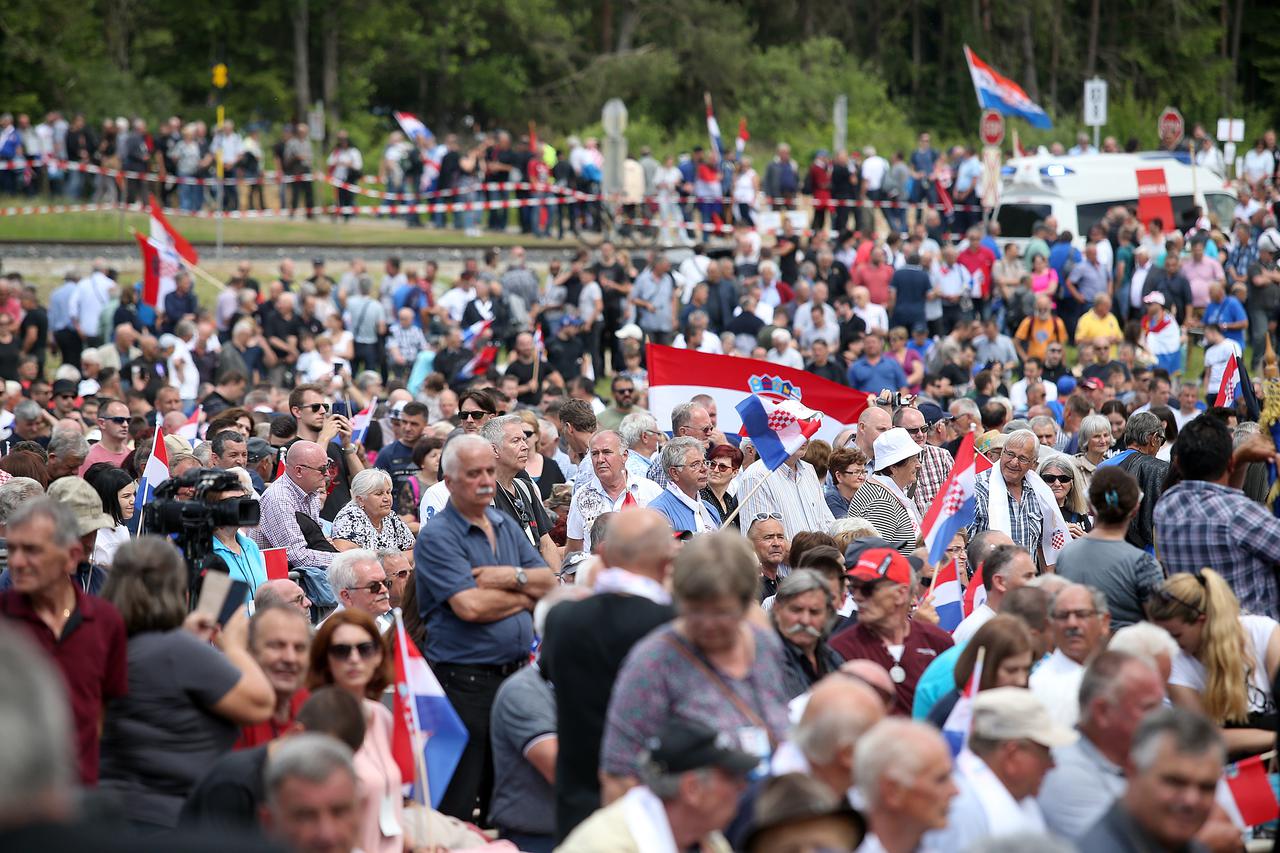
(1231,130)
(1095,102)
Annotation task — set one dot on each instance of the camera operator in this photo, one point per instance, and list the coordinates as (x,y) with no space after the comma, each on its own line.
(240,553)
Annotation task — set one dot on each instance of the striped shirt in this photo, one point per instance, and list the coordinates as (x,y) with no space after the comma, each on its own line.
(278,528)
(879,506)
(1026,518)
(793,493)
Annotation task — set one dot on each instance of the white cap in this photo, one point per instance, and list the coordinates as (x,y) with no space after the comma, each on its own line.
(1155,297)
(1014,713)
(631,330)
(892,446)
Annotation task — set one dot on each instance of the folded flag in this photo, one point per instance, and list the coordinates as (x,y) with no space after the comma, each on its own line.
(777,429)
(155,472)
(412,126)
(1248,797)
(946,598)
(999,93)
(472,333)
(429,737)
(960,720)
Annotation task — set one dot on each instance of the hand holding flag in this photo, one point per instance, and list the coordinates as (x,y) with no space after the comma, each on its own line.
(777,429)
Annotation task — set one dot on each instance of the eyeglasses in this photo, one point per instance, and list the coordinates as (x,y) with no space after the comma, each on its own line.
(400,575)
(342,651)
(1068,615)
(1013,457)
(472,415)
(701,463)
(316,407)
(1056,478)
(529,434)
(1169,598)
(624,391)
(720,467)
(115,419)
(706,430)
(854,472)
(926,580)
(920,430)
(373,587)
(325,470)
(300,601)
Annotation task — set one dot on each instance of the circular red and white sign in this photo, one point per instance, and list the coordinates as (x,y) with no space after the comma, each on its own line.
(1171,127)
(991,127)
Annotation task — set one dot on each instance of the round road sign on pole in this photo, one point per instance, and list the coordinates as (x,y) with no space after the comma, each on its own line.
(991,128)
(1170,128)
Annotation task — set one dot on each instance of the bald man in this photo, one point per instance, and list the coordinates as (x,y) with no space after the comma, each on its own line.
(631,600)
(302,491)
(871,423)
(281,591)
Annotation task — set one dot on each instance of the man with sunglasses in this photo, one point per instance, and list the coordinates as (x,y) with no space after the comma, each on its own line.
(883,587)
(935,463)
(399,572)
(299,492)
(360,583)
(687,419)
(310,407)
(113,447)
(475,408)
(624,397)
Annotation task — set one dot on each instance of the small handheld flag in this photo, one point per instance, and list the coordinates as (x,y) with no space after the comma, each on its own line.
(412,126)
(155,472)
(277,563)
(1249,799)
(953,508)
(150,271)
(740,144)
(478,365)
(960,720)
(713,131)
(946,598)
(777,429)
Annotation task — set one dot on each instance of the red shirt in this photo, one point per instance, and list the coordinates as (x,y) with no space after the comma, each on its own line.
(923,645)
(262,733)
(876,280)
(93,656)
(976,260)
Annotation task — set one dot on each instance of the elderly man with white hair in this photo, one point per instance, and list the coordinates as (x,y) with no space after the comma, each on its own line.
(360,583)
(640,435)
(368,521)
(1011,498)
(681,502)
(903,772)
(784,351)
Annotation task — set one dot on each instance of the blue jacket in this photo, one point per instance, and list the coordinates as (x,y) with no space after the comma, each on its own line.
(680,516)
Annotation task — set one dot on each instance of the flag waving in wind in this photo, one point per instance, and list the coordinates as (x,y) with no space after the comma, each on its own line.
(999,93)
(150,271)
(777,429)
(953,508)
(944,593)
(429,737)
(471,334)
(412,127)
(155,473)
(361,420)
(478,365)
(713,131)
(172,249)
(741,142)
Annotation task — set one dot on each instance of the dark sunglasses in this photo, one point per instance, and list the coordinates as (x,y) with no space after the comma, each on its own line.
(529,434)
(866,589)
(916,430)
(316,407)
(342,651)
(115,419)
(1056,478)
(720,466)
(373,587)
(472,415)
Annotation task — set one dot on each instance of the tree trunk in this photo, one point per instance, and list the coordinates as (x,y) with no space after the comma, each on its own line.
(606,25)
(629,22)
(329,67)
(1235,52)
(1029,77)
(917,45)
(1055,28)
(1091,57)
(117,34)
(300,14)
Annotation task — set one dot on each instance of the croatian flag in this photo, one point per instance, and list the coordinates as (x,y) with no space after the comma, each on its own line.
(1245,793)
(472,333)
(960,720)
(539,346)
(953,508)
(1230,385)
(999,93)
(741,142)
(946,598)
(412,127)
(191,429)
(172,248)
(677,375)
(976,594)
(429,738)
(713,131)
(156,472)
(777,429)
(478,365)
(150,271)
(361,420)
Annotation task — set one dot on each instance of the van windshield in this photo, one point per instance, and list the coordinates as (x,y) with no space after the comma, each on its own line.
(1016,220)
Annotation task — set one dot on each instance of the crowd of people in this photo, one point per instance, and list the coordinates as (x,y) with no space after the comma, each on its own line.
(653,640)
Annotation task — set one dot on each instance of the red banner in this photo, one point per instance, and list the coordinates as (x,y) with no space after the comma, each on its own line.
(1153,197)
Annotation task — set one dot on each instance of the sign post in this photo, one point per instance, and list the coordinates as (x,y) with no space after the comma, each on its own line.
(1095,105)
(1170,128)
(614,119)
(991,128)
(991,132)
(219,83)
(1230,131)
(840,123)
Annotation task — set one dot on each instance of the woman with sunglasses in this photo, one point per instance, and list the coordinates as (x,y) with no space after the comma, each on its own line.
(349,652)
(1067,485)
(724,464)
(1227,659)
(1126,574)
(848,469)
(1006,650)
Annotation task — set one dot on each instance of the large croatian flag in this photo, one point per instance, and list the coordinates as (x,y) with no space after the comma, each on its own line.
(999,93)
(156,472)
(777,429)
(676,375)
(953,508)
(172,248)
(429,737)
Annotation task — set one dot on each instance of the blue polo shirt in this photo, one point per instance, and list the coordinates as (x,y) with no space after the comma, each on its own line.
(886,375)
(1229,310)
(448,548)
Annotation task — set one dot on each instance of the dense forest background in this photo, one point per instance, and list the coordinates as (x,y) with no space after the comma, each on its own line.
(779,63)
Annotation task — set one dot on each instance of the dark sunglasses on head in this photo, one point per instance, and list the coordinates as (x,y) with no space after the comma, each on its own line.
(1163,595)
(372,587)
(776,516)
(342,651)
(472,415)
(1056,478)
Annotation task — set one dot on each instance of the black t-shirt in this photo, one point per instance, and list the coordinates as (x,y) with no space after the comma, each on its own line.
(615,272)
(276,326)
(563,356)
(230,794)
(524,374)
(37,318)
(834,370)
(551,477)
(9,355)
(583,674)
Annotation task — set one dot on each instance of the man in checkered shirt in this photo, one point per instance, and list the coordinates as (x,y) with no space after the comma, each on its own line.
(1026,516)
(935,463)
(1205,520)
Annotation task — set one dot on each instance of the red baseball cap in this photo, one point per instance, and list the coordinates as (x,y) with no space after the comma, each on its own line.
(876,563)
(1092,383)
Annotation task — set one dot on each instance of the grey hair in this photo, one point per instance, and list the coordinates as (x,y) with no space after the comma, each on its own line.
(203,452)
(798,583)
(342,571)
(1142,426)
(665,786)
(673,455)
(366,379)
(1049,584)
(1096,596)
(1078,498)
(245,325)
(15,492)
(1041,420)
(1189,733)
(548,429)
(965,406)
(35,717)
(682,414)
(68,442)
(449,459)
(1093,425)
(859,527)
(1145,640)
(308,756)
(65,527)
(385,553)
(1025,435)
(495,429)
(892,748)
(369,481)
(1244,431)
(634,426)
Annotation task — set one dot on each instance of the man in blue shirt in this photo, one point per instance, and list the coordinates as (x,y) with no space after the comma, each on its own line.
(478,578)
(396,458)
(1227,312)
(181,303)
(873,372)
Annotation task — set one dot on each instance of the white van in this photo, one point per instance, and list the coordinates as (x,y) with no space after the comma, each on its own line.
(1080,190)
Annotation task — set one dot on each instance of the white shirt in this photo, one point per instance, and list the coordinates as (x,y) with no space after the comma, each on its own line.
(1136,284)
(795,494)
(874,169)
(702,518)
(874,316)
(981,615)
(1018,393)
(1246,209)
(454,300)
(188,384)
(90,299)
(1215,361)
(1056,683)
(1258,165)
(590,502)
(1189,672)
(709,344)
(790,358)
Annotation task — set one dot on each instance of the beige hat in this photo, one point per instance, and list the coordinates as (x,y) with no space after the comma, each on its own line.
(1014,713)
(892,446)
(83,501)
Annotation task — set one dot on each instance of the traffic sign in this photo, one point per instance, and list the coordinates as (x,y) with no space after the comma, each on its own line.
(991,128)
(1231,130)
(1170,127)
(1095,102)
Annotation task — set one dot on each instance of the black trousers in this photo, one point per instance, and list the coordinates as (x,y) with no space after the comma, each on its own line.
(471,689)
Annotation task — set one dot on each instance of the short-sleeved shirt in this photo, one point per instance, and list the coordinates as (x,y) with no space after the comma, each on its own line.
(353,524)
(1189,672)
(160,739)
(93,659)
(885,375)
(1126,575)
(1229,310)
(448,547)
(523,715)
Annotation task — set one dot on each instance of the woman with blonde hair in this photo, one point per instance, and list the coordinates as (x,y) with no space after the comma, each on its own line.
(1227,658)
(1066,481)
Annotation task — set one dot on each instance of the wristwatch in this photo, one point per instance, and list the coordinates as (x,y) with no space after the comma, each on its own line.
(521,578)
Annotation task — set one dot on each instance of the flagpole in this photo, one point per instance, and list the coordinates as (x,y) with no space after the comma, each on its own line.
(194,268)
(749,496)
